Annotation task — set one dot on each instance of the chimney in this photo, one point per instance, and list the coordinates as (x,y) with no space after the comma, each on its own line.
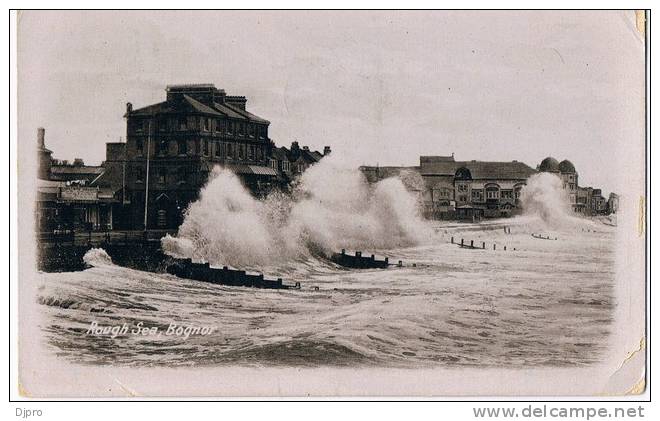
(305,148)
(326,150)
(41,135)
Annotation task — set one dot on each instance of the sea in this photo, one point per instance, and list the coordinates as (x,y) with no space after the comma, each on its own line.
(536,291)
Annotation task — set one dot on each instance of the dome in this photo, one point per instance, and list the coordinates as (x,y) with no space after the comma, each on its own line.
(549,165)
(566,166)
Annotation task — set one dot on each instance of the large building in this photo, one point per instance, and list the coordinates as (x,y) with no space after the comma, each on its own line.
(474,189)
(171,147)
(184,137)
(463,189)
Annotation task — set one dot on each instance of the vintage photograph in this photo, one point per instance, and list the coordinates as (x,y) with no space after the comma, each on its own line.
(332,203)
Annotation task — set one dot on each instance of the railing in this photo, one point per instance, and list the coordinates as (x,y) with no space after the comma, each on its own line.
(97,238)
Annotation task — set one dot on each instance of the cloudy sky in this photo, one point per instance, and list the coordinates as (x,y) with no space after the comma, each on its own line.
(379,87)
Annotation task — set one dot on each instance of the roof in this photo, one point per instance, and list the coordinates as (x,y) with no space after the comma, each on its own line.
(566,166)
(251,169)
(78,170)
(216,109)
(514,170)
(508,170)
(549,164)
(280,154)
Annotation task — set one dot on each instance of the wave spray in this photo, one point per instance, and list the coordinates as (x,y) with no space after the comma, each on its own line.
(330,207)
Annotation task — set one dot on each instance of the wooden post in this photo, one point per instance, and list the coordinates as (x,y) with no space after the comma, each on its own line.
(483,245)
(472,243)
(461,242)
(452,240)
(493,246)
(504,248)
(400,264)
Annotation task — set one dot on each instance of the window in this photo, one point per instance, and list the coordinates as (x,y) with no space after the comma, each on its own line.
(139,175)
(262,132)
(251,152)
(162,218)
(241,151)
(230,150)
(183,123)
(162,124)
(477,195)
(517,192)
(286,166)
(207,124)
(182,147)
(241,129)
(162,176)
(462,187)
(251,130)
(273,164)
(206,147)
(492,193)
(218,150)
(139,146)
(507,194)
(161,147)
(181,175)
(218,125)
(230,127)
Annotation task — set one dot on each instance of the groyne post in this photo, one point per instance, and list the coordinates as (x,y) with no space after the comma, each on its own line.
(483,245)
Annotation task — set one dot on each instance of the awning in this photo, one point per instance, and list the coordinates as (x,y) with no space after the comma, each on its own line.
(251,170)
(259,170)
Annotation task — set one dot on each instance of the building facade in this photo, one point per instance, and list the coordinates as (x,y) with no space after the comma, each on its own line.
(463,189)
(172,146)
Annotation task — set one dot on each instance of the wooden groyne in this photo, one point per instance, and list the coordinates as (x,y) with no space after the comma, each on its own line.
(543,237)
(472,246)
(358,261)
(185,268)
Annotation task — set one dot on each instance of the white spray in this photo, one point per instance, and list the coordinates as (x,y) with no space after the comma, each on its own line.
(331,207)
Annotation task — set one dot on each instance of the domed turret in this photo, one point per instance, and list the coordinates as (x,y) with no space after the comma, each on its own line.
(566,166)
(549,165)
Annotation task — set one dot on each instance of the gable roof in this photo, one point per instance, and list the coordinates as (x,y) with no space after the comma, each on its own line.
(488,170)
(216,109)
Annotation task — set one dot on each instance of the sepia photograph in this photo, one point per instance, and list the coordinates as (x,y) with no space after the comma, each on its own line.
(331,203)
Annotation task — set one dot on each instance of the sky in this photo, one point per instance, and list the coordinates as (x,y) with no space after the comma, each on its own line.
(379,87)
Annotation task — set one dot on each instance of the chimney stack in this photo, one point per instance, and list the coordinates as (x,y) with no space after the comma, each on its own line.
(41,134)
(326,150)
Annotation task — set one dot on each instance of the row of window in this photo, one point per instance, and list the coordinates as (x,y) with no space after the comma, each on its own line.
(286,165)
(491,193)
(207,148)
(180,175)
(207,124)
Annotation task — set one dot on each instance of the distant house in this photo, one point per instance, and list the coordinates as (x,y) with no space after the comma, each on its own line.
(67,198)
(303,158)
(464,189)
